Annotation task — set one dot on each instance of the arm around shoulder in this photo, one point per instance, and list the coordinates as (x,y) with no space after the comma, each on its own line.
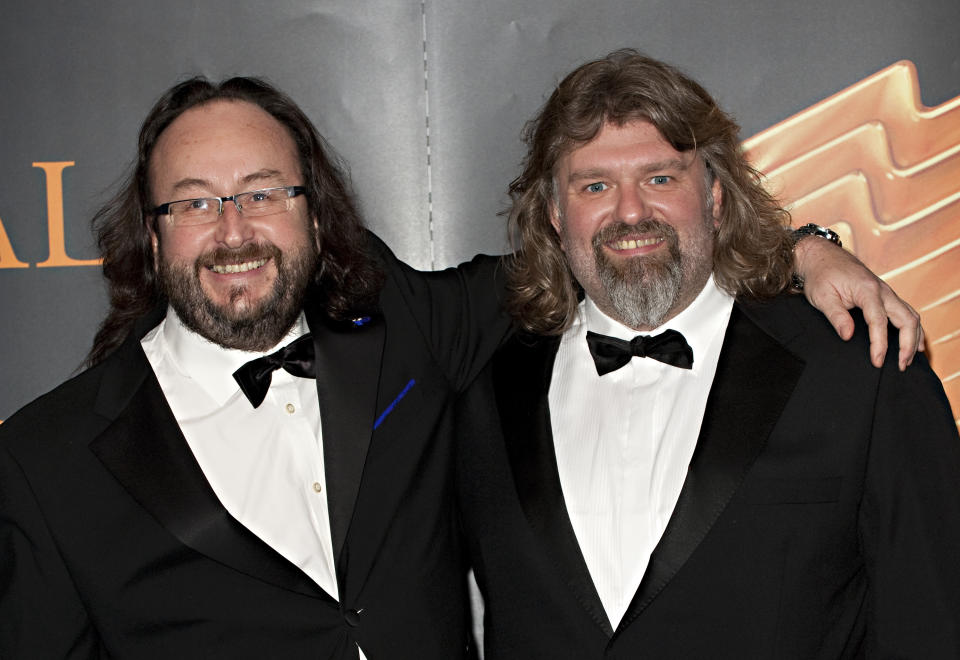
(457,310)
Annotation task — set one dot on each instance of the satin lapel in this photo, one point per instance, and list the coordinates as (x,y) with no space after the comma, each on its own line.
(754,380)
(348,376)
(522,370)
(146,452)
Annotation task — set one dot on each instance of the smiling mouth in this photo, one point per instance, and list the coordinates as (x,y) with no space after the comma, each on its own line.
(226,269)
(633,244)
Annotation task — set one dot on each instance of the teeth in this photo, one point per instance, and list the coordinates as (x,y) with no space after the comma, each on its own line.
(237,268)
(633,244)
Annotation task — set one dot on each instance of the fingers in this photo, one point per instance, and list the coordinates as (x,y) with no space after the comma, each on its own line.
(839,318)
(909,344)
(875,315)
(907,320)
(837,281)
(880,304)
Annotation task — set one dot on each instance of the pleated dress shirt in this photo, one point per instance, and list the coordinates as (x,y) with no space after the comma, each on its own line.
(624,440)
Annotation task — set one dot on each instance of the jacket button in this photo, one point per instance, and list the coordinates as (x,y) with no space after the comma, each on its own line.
(352,618)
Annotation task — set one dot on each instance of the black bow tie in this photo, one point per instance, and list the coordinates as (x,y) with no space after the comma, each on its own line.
(610,353)
(295,358)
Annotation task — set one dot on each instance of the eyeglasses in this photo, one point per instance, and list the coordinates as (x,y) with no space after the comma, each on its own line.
(253,204)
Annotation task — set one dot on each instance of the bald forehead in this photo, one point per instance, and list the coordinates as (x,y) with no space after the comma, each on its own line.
(216,147)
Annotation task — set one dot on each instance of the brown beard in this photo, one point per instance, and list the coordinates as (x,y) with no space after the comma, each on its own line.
(256,328)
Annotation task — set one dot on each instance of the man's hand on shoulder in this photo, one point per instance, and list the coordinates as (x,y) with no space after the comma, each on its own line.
(835,281)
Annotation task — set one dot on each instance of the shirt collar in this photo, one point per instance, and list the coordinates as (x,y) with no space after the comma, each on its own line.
(700,323)
(210,365)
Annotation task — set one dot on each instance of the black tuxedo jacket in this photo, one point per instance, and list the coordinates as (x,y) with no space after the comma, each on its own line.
(113,544)
(820,517)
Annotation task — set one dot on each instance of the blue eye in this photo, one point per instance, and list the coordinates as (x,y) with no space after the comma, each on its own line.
(660,179)
(596,187)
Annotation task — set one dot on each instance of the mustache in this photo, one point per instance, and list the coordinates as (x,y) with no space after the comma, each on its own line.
(621,230)
(224,256)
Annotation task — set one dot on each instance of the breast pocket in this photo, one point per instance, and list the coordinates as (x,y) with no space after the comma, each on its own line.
(404,396)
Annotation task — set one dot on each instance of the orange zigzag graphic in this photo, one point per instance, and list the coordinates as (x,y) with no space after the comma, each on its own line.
(884,171)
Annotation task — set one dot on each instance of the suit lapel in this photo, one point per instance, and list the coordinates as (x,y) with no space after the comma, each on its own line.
(146,452)
(522,370)
(755,378)
(348,357)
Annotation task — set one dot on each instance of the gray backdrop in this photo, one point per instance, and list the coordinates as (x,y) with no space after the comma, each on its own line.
(425,100)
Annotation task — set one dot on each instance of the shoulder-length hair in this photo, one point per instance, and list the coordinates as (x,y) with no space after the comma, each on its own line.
(752,254)
(347,278)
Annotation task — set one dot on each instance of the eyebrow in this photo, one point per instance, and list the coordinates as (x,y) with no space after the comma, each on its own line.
(580,175)
(600,173)
(260,175)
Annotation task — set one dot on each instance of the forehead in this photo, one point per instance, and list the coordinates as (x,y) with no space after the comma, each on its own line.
(222,142)
(636,142)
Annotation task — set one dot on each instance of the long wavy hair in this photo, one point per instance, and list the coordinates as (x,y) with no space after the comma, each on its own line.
(347,278)
(752,253)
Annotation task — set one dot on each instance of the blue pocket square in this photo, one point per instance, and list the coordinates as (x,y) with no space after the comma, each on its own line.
(393,403)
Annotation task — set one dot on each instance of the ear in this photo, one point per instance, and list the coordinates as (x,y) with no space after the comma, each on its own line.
(554,210)
(316,232)
(717,194)
(155,243)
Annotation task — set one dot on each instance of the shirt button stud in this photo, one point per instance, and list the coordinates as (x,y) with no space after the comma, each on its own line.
(290,408)
(317,487)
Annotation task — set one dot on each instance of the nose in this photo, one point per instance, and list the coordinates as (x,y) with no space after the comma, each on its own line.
(631,207)
(233,229)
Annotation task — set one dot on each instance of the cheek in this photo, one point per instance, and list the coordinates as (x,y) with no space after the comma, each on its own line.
(296,233)
(580,231)
(181,246)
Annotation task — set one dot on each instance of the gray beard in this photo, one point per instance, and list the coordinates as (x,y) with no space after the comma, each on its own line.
(258,328)
(642,294)
(643,291)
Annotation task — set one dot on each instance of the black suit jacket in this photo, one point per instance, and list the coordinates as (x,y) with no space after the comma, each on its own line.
(113,544)
(820,517)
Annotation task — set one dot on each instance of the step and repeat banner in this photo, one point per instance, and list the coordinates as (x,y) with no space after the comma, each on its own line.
(851,107)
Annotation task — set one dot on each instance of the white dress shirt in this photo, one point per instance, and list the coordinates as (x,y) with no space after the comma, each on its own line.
(624,440)
(264,464)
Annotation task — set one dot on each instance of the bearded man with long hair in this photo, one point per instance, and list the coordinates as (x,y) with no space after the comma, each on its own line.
(676,457)
(157,505)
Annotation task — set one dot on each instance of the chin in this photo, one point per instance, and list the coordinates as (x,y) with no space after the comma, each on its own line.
(239,305)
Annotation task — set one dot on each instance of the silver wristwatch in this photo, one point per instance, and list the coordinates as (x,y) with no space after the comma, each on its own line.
(816,230)
(811,229)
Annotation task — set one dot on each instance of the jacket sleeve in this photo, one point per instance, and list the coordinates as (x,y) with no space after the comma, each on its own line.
(910,518)
(458,310)
(41,614)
